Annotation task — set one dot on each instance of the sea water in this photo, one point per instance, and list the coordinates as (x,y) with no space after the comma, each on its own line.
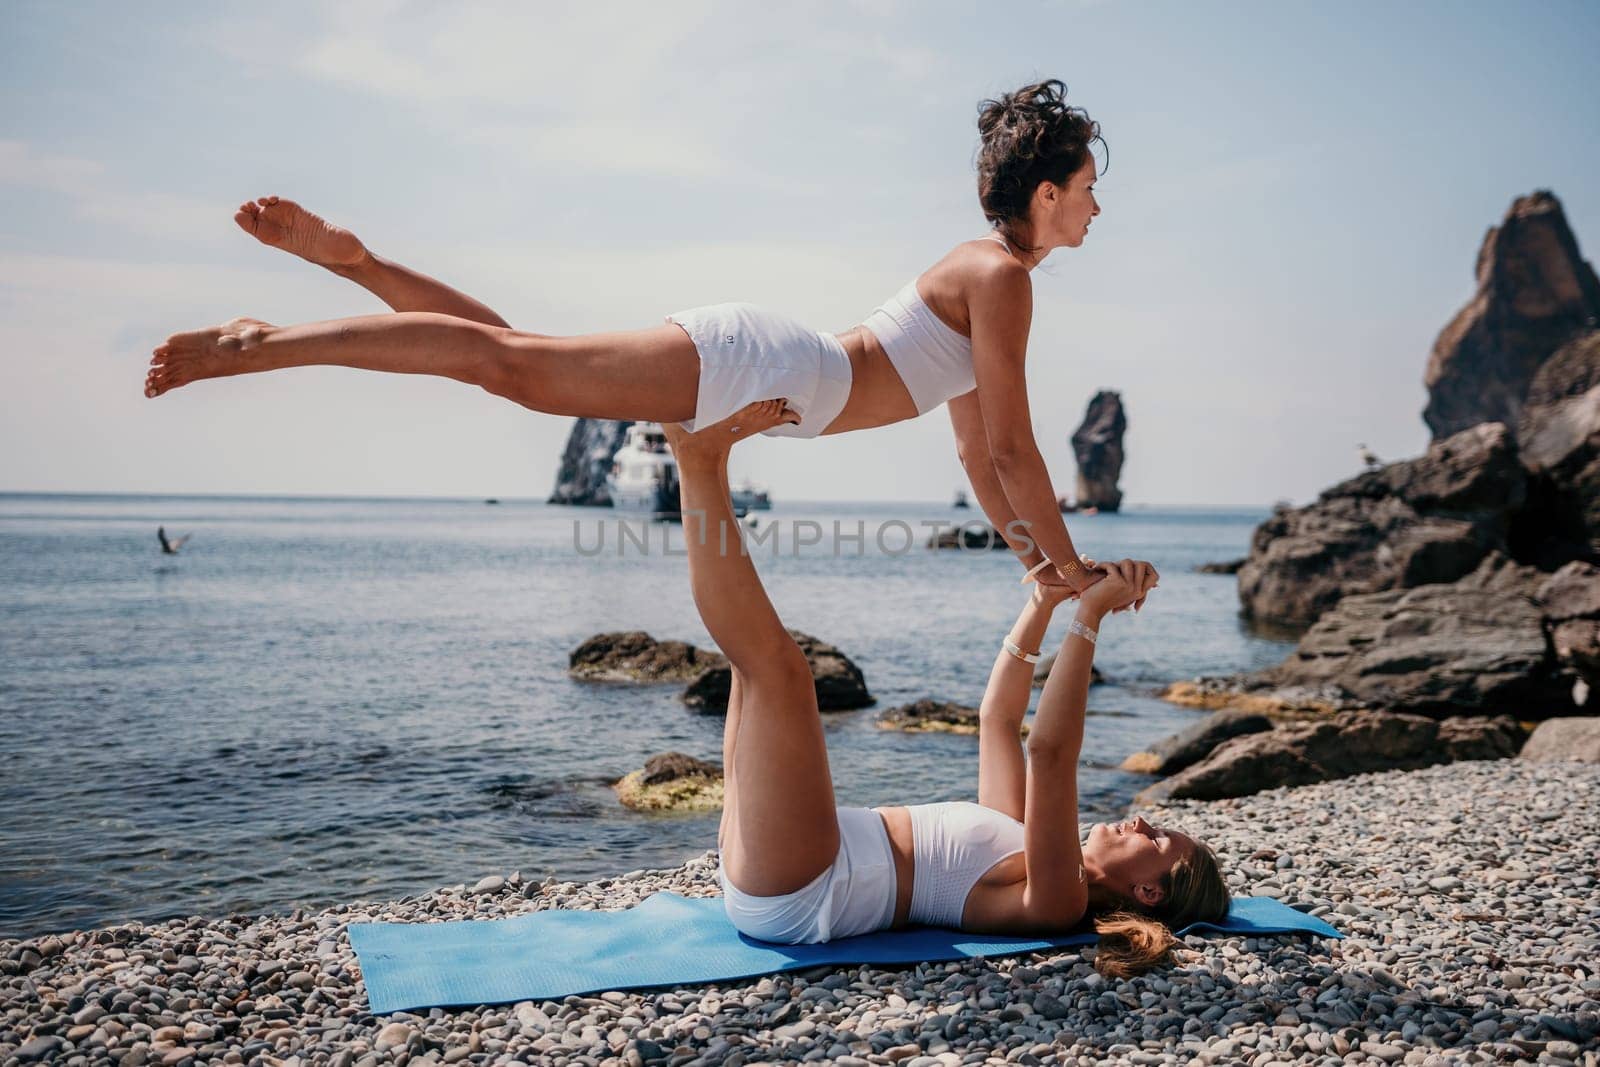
(324,700)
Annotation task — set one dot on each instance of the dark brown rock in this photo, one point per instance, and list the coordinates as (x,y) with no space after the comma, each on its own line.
(1476,646)
(1341,745)
(635,656)
(1412,523)
(1185,748)
(1230,566)
(1570,601)
(1565,739)
(1097,446)
(1534,293)
(1559,437)
(969,535)
(840,685)
(1041,671)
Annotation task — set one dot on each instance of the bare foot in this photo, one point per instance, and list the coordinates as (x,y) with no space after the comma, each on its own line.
(213,353)
(284,224)
(717,439)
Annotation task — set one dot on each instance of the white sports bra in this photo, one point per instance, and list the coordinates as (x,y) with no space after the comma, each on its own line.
(934,361)
(953,844)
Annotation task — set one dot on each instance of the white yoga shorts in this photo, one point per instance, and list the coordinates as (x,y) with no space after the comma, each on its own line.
(748,353)
(854,896)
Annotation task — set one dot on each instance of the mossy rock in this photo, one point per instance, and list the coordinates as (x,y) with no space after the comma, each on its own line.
(672,781)
(934,717)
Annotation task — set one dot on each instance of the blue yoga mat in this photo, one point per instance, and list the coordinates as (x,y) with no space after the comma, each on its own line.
(669,939)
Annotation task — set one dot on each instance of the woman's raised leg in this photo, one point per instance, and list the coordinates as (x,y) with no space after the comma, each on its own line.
(280,223)
(780,827)
(651,374)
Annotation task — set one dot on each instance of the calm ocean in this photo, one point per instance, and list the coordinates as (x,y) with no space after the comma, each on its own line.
(324,700)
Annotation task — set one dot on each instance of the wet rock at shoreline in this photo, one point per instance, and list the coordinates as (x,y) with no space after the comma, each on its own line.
(1097,446)
(672,781)
(933,716)
(635,656)
(972,535)
(1041,671)
(839,682)
(1534,292)
(1188,747)
(1576,738)
(1337,746)
(1230,566)
(1476,646)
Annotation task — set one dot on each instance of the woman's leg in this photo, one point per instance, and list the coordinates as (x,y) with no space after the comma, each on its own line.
(650,374)
(280,223)
(780,827)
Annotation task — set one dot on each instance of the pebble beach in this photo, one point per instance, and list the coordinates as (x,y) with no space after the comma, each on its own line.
(1467,894)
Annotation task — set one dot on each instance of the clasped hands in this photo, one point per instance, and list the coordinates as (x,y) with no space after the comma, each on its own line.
(1112,587)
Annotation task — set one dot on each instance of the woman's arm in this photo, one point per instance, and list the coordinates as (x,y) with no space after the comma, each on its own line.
(972,449)
(1002,772)
(1002,309)
(1056,891)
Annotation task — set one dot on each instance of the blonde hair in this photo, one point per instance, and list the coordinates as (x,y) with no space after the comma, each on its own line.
(1135,939)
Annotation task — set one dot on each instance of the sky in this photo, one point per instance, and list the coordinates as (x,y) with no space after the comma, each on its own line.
(1293,205)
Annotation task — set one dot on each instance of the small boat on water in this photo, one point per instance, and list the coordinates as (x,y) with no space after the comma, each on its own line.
(751,497)
(960,500)
(644,476)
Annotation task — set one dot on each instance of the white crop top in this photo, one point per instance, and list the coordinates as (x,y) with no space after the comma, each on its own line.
(953,844)
(934,361)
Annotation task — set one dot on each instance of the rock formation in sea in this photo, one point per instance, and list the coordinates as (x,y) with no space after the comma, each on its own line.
(932,716)
(672,781)
(839,682)
(968,536)
(586,460)
(1535,293)
(635,656)
(1097,446)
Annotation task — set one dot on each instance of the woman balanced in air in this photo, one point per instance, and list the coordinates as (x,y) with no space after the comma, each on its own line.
(956,334)
(796,868)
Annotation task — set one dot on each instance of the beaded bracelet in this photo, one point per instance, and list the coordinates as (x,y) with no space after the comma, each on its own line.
(1076,627)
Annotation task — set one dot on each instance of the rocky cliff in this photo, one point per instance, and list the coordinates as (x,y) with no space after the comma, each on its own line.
(586,460)
(1535,293)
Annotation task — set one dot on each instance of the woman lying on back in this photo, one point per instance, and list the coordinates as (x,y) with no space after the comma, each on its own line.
(797,868)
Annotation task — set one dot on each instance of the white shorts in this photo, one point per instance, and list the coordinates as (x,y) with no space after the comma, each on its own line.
(748,353)
(854,896)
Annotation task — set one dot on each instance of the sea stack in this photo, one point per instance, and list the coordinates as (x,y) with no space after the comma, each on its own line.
(586,461)
(1097,447)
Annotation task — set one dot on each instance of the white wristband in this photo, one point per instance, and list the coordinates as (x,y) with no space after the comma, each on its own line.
(1076,627)
(1012,647)
(1035,569)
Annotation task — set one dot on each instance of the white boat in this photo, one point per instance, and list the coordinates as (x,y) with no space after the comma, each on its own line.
(751,497)
(644,476)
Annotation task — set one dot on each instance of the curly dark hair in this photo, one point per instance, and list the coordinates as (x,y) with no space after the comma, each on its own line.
(1029,136)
